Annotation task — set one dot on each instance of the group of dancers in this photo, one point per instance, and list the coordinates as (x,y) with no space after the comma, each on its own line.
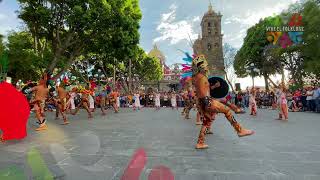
(207,107)
(280,102)
(197,96)
(64,101)
(91,97)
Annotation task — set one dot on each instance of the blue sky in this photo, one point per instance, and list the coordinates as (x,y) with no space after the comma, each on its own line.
(169,23)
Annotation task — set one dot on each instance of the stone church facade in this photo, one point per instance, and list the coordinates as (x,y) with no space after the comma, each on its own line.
(170,79)
(209,42)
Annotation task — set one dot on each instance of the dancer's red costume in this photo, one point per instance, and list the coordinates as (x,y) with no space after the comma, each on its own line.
(14,113)
(208,106)
(113,100)
(84,102)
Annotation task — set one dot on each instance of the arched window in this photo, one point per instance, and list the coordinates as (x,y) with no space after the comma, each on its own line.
(209,24)
(209,46)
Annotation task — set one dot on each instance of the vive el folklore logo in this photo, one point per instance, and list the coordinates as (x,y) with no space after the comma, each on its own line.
(287,31)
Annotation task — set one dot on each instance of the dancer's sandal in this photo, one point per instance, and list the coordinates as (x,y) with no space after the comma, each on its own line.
(202,146)
(240,111)
(65,122)
(209,131)
(246,132)
(42,128)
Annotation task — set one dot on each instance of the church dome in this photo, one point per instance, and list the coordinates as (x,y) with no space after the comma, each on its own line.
(155,52)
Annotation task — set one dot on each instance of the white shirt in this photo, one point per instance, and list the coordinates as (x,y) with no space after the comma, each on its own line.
(309,95)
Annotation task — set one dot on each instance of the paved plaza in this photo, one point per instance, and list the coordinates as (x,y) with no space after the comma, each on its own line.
(101,149)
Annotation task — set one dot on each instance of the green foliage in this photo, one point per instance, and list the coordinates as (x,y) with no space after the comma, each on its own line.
(310,50)
(302,61)
(2,47)
(4,63)
(24,63)
(144,68)
(252,50)
(148,68)
(74,28)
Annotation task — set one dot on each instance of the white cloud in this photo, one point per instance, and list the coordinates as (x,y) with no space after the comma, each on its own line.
(196,19)
(176,31)
(3,16)
(252,17)
(167,17)
(249,18)
(227,21)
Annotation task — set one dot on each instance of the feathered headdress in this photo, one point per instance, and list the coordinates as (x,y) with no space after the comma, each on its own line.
(187,68)
(186,76)
(198,64)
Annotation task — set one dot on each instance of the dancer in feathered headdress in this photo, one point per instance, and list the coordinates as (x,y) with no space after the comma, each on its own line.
(208,106)
(62,101)
(84,101)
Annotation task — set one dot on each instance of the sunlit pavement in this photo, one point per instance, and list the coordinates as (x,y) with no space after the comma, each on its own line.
(101,148)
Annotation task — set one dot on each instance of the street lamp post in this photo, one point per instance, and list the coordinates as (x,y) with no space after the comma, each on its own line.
(252,70)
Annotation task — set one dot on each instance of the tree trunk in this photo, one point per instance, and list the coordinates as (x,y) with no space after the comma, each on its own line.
(104,70)
(229,83)
(282,77)
(266,81)
(84,79)
(123,86)
(114,76)
(55,60)
(130,78)
(70,61)
(274,84)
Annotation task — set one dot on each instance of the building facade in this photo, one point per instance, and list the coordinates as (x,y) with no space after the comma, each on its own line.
(170,78)
(210,44)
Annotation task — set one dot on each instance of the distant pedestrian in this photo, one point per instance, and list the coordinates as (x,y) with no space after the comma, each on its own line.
(252,102)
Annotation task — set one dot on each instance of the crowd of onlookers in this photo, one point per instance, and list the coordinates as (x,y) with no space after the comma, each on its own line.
(304,99)
(148,99)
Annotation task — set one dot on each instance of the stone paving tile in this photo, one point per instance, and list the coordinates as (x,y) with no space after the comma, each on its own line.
(103,147)
(195,175)
(295,167)
(312,177)
(279,176)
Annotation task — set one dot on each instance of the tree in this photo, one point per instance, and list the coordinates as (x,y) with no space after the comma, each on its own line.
(263,54)
(3,60)
(24,63)
(2,47)
(291,59)
(252,51)
(144,68)
(73,27)
(311,37)
(229,53)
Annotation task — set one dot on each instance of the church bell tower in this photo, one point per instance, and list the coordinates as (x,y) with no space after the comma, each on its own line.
(210,43)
